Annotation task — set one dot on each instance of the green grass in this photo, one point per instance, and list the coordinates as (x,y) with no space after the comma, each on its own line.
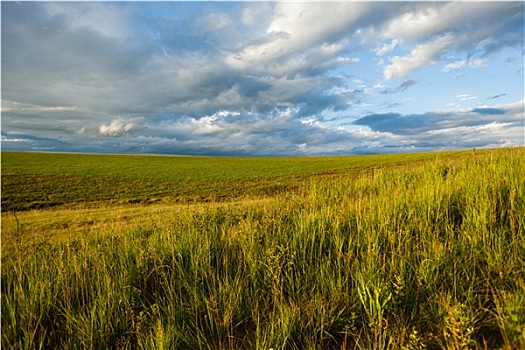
(424,255)
(180,168)
(41,180)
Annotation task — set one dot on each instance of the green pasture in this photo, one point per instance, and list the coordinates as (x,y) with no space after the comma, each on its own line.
(423,251)
(189,168)
(41,180)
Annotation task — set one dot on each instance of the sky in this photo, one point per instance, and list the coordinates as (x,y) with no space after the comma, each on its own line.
(261,78)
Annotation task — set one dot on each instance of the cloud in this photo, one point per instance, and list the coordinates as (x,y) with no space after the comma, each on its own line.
(425,20)
(421,55)
(454,65)
(472,62)
(67,64)
(118,127)
(404,85)
(466,97)
(380,51)
(489,111)
(260,13)
(453,26)
(110,20)
(25,142)
(416,124)
(220,78)
(298,37)
(5,138)
(496,96)
(131,74)
(478,127)
(281,132)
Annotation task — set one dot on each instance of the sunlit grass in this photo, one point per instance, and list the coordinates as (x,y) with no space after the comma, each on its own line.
(424,255)
(44,180)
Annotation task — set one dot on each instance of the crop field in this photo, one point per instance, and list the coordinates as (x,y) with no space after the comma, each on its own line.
(415,251)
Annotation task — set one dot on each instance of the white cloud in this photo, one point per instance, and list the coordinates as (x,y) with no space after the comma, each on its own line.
(453,65)
(214,21)
(256,14)
(473,62)
(343,59)
(477,62)
(297,27)
(117,127)
(5,138)
(421,55)
(460,26)
(427,19)
(380,51)
(466,97)
(11,106)
(414,24)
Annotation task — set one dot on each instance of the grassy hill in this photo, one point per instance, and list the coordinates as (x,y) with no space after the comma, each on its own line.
(379,252)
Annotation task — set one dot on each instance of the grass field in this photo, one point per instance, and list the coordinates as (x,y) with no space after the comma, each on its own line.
(40,180)
(411,251)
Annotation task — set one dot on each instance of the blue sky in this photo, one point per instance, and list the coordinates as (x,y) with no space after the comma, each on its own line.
(261,78)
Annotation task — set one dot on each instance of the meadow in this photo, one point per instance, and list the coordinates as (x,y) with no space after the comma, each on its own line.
(40,180)
(415,251)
